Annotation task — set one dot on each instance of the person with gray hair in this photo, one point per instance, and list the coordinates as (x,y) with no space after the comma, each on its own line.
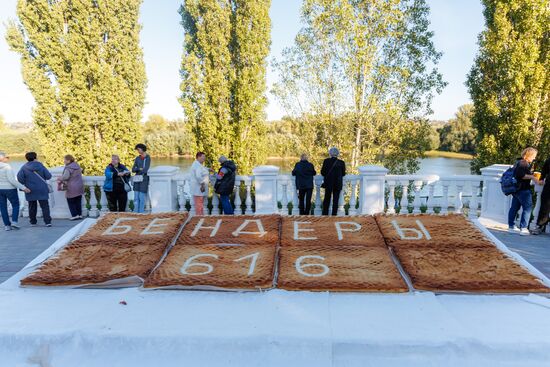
(333,171)
(116,185)
(225,183)
(304,171)
(8,192)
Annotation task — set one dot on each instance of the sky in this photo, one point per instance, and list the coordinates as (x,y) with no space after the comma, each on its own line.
(456,25)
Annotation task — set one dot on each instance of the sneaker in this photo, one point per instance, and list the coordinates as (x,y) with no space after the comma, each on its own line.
(48,224)
(74,218)
(15,225)
(538,230)
(7,228)
(513,230)
(524,232)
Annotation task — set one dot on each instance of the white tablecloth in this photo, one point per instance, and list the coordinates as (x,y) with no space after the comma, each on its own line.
(86,327)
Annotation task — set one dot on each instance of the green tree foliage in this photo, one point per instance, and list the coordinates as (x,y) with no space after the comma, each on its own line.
(223,72)
(458,135)
(2,123)
(361,75)
(510,81)
(166,137)
(84,66)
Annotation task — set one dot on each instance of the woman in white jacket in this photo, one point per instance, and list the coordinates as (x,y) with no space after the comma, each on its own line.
(8,192)
(198,182)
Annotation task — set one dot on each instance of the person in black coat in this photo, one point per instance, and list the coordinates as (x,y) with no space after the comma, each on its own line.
(225,183)
(333,172)
(304,172)
(544,213)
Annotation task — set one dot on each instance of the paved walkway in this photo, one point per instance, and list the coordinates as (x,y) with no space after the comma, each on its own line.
(18,248)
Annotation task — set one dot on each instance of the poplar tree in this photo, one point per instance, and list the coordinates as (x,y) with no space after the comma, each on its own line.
(223,77)
(510,81)
(84,66)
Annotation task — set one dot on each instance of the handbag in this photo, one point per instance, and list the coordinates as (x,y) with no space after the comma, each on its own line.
(127,186)
(138,178)
(61,186)
(328,173)
(50,188)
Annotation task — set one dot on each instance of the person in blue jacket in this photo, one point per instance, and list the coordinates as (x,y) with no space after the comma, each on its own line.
(34,176)
(116,185)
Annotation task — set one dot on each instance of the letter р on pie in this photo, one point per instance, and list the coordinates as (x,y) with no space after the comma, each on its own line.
(120,248)
(221,253)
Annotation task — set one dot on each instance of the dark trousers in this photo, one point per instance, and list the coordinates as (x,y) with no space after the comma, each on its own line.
(521,199)
(117,200)
(75,206)
(304,201)
(33,210)
(335,194)
(11,196)
(544,212)
(226,205)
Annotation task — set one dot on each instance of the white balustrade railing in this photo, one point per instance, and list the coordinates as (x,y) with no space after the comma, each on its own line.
(370,191)
(434,194)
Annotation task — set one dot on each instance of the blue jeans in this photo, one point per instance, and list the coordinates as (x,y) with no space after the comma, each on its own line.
(226,204)
(139,201)
(13,197)
(524,200)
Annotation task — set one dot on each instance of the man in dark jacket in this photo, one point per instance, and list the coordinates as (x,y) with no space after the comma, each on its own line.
(544,213)
(333,172)
(225,183)
(304,172)
(34,175)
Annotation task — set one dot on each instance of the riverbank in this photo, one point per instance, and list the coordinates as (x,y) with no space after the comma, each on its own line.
(443,154)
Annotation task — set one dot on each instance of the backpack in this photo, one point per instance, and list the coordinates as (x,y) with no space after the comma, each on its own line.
(508,182)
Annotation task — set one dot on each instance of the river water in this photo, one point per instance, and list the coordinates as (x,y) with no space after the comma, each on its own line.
(437,166)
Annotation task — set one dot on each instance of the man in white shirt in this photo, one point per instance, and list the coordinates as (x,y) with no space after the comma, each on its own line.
(198,182)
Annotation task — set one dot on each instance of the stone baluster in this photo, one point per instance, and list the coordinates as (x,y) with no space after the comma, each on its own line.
(248,199)
(445,199)
(102,197)
(458,198)
(216,204)
(284,199)
(181,195)
(318,203)
(353,197)
(94,210)
(192,210)
(430,201)
(472,211)
(404,208)
(295,209)
(391,197)
(372,189)
(238,200)
(84,200)
(341,203)
(417,186)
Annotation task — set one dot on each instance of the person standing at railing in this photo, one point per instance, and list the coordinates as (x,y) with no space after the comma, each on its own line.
(141,178)
(116,185)
(522,198)
(225,183)
(304,173)
(544,214)
(333,172)
(34,176)
(71,182)
(198,182)
(8,192)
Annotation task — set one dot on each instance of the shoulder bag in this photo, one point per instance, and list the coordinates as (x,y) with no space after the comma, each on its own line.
(50,188)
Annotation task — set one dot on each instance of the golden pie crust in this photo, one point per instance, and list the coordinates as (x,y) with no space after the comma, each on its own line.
(486,270)
(350,269)
(331,231)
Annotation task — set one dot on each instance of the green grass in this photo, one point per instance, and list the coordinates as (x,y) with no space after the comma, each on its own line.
(442,154)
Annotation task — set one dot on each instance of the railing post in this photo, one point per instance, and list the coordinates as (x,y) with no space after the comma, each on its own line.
(163,189)
(58,203)
(372,189)
(318,181)
(495,205)
(265,178)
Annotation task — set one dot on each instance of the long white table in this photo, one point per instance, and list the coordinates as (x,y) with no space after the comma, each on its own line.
(90,327)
